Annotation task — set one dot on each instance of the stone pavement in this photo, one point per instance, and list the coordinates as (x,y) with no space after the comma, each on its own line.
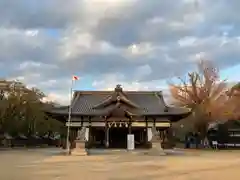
(119,165)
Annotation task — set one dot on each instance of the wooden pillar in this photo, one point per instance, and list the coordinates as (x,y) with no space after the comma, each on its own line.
(130,125)
(106,133)
(148,144)
(81,121)
(142,136)
(89,132)
(146,129)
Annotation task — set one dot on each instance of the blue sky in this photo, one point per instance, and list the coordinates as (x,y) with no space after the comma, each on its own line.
(141,44)
(231,74)
(54,33)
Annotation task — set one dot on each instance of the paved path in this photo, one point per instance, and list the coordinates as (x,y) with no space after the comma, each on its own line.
(47,164)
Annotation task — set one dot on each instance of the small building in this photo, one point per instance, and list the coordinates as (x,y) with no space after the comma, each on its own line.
(226,133)
(110,115)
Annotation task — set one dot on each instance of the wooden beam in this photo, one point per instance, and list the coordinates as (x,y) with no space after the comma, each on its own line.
(86,124)
(130,125)
(133,124)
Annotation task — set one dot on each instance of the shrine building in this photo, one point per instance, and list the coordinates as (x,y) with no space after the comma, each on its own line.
(109,116)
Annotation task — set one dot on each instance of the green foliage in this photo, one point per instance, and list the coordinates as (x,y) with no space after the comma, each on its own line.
(22,111)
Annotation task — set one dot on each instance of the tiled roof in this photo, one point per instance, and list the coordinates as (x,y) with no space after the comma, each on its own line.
(134,102)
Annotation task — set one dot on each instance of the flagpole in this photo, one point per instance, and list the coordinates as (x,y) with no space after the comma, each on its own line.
(69,118)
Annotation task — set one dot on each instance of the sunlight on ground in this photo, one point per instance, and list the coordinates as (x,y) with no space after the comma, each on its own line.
(39,165)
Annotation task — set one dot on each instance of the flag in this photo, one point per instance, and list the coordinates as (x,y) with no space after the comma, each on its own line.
(75,78)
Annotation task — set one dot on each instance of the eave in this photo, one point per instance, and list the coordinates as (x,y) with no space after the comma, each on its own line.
(173,117)
(59,117)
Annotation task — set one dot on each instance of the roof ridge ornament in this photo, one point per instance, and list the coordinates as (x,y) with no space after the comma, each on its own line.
(117,96)
(118,88)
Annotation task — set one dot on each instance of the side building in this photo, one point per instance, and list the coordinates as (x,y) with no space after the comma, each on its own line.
(226,133)
(109,116)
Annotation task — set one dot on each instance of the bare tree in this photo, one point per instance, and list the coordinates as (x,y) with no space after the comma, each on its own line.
(204,93)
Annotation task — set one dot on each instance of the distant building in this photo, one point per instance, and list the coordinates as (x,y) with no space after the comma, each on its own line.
(226,133)
(110,116)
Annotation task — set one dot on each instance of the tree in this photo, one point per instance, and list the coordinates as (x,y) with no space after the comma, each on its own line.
(204,93)
(21,110)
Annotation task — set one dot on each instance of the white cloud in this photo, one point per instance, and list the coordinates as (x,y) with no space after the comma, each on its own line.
(77,44)
(187,41)
(137,43)
(140,49)
(143,71)
(31,32)
(29,64)
(48,83)
(59,98)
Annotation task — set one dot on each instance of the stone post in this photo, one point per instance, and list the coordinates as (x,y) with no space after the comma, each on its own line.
(156,143)
(80,143)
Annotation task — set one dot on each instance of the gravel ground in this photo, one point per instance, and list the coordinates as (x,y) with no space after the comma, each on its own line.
(48,164)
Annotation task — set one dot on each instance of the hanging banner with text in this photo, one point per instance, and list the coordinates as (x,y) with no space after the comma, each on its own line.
(130,142)
(87,134)
(149,134)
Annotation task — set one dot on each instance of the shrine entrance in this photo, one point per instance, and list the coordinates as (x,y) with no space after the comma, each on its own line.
(118,137)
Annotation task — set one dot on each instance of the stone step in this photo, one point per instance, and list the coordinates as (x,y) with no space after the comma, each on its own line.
(79,152)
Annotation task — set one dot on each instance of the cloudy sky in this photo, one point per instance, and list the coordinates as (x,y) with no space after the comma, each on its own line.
(137,43)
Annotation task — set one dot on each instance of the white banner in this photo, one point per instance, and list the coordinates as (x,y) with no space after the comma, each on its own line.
(87,134)
(130,142)
(149,134)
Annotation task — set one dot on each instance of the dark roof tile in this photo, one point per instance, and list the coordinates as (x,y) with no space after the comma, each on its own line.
(148,103)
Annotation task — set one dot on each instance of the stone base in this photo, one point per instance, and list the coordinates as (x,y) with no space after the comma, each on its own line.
(79,152)
(80,149)
(157,149)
